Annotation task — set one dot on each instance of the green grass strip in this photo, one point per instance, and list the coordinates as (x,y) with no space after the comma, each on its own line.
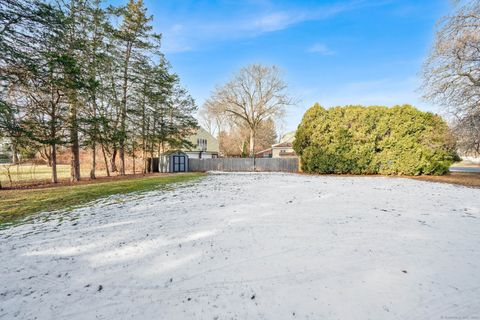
(18,204)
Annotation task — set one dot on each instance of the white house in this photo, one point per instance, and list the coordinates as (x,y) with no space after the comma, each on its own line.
(205,145)
(283,149)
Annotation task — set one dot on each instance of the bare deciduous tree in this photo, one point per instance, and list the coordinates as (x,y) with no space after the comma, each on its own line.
(467,131)
(255,94)
(452,71)
(234,139)
(213,122)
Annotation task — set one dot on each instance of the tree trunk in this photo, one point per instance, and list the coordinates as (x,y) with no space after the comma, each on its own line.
(93,75)
(94,161)
(144,153)
(75,158)
(252,143)
(48,155)
(53,159)
(113,159)
(93,174)
(144,146)
(160,157)
(105,160)
(75,147)
(123,111)
(144,157)
(122,158)
(15,160)
(73,101)
(133,157)
(151,158)
(152,146)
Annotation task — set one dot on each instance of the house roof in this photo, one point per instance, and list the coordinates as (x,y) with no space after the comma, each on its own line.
(264,151)
(283,145)
(175,151)
(201,133)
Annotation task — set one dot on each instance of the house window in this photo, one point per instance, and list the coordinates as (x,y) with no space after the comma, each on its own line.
(202,144)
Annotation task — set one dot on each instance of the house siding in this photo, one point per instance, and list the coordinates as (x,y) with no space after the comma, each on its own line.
(212,143)
(283,152)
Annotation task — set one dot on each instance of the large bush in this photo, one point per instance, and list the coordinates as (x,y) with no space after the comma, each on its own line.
(370,140)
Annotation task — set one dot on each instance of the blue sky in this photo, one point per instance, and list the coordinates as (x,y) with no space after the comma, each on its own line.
(331,52)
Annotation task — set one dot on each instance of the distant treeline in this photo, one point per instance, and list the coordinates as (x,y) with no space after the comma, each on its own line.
(80,74)
(374,140)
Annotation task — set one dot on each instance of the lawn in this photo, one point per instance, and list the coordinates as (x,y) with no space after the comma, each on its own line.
(17,204)
(468,179)
(31,173)
(253,246)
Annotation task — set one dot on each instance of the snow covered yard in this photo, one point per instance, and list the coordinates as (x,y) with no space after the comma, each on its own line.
(253,246)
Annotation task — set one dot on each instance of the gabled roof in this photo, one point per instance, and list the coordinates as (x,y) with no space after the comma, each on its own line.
(201,131)
(212,145)
(283,145)
(263,151)
(174,151)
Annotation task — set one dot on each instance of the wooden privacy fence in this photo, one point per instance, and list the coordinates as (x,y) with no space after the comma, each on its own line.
(244,164)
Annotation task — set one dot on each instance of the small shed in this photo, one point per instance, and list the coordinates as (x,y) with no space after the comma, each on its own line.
(176,161)
(173,161)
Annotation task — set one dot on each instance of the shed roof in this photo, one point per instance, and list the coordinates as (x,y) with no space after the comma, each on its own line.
(169,152)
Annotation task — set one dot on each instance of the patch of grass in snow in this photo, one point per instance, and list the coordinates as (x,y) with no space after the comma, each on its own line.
(18,204)
(468,179)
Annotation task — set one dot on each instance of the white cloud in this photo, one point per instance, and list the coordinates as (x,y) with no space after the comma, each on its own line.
(195,31)
(275,21)
(321,49)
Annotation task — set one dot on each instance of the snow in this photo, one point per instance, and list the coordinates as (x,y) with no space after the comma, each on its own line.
(253,246)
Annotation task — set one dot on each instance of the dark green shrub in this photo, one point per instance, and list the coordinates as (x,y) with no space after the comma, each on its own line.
(371,140)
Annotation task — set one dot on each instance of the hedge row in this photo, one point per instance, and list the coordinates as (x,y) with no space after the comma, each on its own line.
(374,140)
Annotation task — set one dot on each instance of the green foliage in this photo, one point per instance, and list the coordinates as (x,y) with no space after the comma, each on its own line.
(244,149)
(374,140)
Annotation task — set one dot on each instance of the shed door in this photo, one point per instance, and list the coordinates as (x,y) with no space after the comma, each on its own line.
(178,163)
